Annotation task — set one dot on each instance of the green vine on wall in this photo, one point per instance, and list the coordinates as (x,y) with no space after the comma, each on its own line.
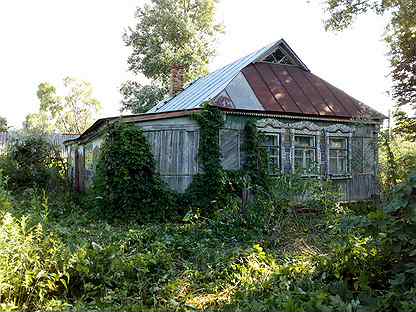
(207,190)
(211,188)
(256,158)
(127,184)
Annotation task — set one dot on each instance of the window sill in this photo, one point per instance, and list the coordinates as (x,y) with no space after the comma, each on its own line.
(340,176)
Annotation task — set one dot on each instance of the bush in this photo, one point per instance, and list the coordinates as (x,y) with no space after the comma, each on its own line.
(397,161)
(126,184)
(32,162)
(34,264)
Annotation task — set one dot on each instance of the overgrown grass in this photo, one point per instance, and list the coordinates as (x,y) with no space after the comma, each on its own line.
(57,256)
(92,265)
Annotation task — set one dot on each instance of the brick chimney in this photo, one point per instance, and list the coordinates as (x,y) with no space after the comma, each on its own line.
(177,73)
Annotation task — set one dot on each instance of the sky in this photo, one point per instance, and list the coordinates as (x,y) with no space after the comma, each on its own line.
(47,40)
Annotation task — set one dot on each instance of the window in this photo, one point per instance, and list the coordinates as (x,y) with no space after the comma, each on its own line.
(304,153)
(338,140)
(338,155)
(278,57)
(271,145)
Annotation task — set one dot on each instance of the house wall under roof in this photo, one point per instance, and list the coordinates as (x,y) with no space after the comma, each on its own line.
(175,142)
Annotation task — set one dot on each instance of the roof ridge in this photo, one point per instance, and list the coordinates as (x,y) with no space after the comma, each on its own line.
(213,87)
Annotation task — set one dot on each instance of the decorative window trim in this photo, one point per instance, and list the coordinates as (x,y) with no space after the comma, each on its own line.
(342,131)
(310,129)
(270,126)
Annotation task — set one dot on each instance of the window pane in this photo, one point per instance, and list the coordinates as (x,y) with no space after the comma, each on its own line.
(270,140)
(342,165)
(332,153)
(304,141)
(333,165)
(340,143)
(299,153)
(310,154)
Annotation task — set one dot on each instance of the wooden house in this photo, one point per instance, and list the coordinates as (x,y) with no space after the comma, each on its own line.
(305,121)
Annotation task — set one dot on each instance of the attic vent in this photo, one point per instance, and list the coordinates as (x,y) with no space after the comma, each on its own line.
(279,57)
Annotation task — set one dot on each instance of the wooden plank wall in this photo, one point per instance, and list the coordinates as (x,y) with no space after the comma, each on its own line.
(176,155)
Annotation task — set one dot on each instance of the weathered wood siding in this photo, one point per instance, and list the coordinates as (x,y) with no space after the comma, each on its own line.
(175,153)
(174,144)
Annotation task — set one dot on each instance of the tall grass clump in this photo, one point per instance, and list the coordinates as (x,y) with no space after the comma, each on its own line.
(34,263)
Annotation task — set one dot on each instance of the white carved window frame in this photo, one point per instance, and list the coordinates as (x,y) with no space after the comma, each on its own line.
(338,131)
(306,128)
(274,127)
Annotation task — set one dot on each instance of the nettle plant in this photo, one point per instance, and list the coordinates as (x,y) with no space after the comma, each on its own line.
(126,183)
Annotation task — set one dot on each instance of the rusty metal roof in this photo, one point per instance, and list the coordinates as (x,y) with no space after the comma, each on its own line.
(290,89)
(271,87)
(208,87)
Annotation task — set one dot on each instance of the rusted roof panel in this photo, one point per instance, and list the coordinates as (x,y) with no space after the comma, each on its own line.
(290,89)
(315,98)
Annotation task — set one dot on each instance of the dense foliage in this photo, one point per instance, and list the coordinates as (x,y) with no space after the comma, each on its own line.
(256,163)
(168,33)
(31,161)
(56,256)
(397,160)
(208,188)
(127,185)
(138,98)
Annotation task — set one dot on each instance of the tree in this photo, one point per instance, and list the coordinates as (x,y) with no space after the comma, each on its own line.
(71,113)
(400,36)
(139,98)
(169,33)
(3,124)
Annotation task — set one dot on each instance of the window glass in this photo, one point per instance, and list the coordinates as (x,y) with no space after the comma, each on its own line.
(338,142)
(304,141)
(338,156)
(304,153)
(271,145)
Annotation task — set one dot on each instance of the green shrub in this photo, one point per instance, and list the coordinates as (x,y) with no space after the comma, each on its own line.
(397,161)
(32,162)
(126,184)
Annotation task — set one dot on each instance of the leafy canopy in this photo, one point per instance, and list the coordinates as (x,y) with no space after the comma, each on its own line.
(139,98)
(71,112)
(400,36)
(167,33)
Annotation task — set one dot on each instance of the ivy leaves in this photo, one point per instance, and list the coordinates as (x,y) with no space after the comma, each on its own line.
(127,184)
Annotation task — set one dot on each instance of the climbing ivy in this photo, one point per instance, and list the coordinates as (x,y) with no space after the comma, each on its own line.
(126,183)
(208,188)
(256,158)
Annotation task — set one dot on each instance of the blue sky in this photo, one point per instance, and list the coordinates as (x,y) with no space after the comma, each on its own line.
(46,40)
